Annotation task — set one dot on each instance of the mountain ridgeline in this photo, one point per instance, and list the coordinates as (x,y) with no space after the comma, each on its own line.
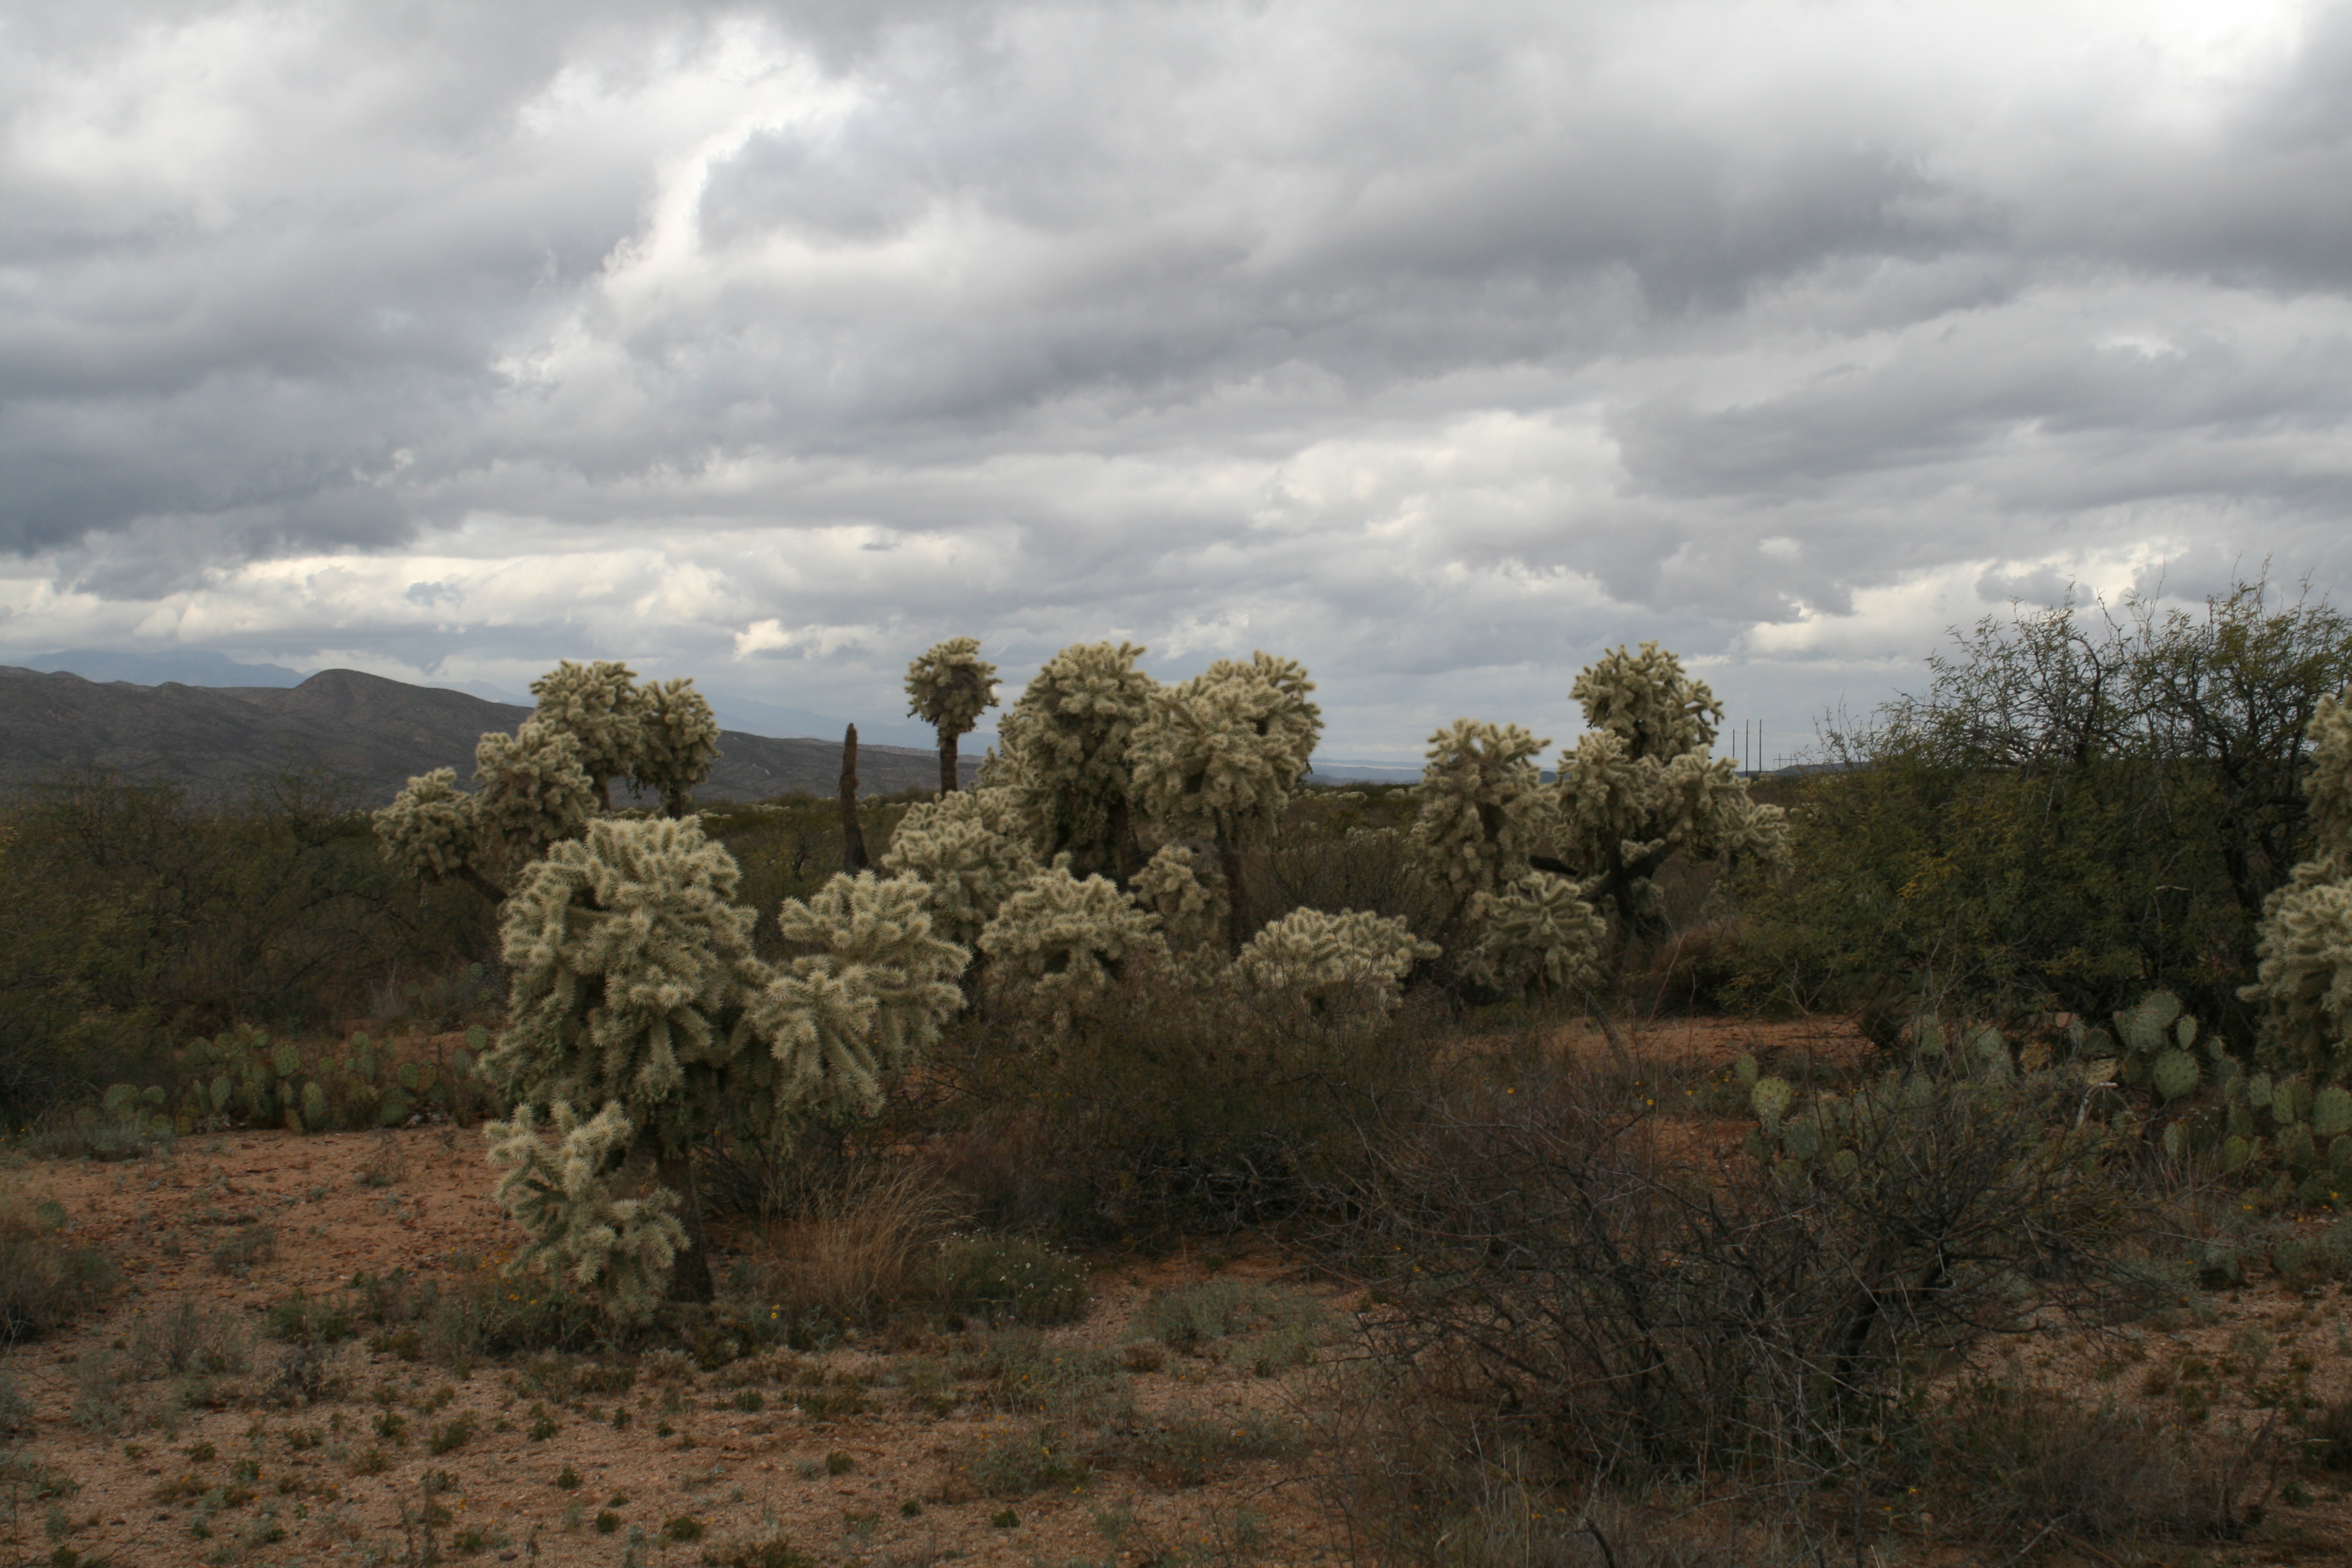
(216,740)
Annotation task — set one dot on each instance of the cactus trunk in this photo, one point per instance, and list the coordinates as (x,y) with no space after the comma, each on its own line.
(690,1281)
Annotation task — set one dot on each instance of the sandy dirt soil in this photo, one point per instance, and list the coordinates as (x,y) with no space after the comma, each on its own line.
(864,1453)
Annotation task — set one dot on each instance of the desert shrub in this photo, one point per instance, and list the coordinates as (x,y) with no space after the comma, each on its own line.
(485,1313)
(1022,1463)
(2078,806)
(309,1320)
(1547,1270)
(1009,1279)
(1188,1450)
(149,917)
(1277,1329)
(1080,1387)
(187,1342)
(1177,1105)
(253,1244)
(45,1281)
(2012,1463)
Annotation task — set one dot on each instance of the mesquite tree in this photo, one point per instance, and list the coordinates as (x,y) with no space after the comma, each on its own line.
(951,687)
(636,993)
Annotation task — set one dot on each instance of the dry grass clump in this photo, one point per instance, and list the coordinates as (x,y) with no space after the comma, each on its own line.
(45,1283)
(856,1250)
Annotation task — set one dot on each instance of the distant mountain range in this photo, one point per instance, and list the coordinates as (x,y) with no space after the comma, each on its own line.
(214,740)
(752,715)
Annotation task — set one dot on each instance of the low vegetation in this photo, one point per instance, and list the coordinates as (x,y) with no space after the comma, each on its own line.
(1980,1285)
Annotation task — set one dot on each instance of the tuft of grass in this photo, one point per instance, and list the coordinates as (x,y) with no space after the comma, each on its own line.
(1023,1463)
(1273,1329)
(45,1282)
(853,1252)
(253,1244)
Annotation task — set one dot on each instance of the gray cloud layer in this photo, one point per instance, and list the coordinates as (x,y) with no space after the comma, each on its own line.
(1440,346)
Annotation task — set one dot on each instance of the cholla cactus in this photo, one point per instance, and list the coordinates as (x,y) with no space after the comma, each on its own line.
(676,744)
(950,688)
(876,936)
(1639,786)
(528,792)
(1536,930)
(1328,962)
(545,780)
(432,829)
(967,848)
(2303,974)
(635,984)
(1645,700)
(1219,756)
(568,1201)
(532,791)
(1064,943)
(1482,808)
(599,706)
(1185,885)
(1065,741)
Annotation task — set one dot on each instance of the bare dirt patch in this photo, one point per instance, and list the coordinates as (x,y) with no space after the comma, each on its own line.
(918,1445)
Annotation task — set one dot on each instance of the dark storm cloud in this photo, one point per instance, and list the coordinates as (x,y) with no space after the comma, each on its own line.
(766,341)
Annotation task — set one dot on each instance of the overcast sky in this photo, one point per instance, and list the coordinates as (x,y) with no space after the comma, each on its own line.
(1440,346)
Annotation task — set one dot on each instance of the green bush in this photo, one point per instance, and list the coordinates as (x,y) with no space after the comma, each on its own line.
(45,1281)
(1009,1280)
(149,920)
(2079,807)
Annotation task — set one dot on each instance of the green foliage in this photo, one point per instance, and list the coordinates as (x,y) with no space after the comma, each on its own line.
(1185,886)
(1009,1280)
(2078,807)
(145,920)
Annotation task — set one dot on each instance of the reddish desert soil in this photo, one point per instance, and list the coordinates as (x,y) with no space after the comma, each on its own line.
(346,1204)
